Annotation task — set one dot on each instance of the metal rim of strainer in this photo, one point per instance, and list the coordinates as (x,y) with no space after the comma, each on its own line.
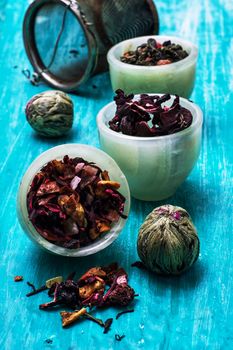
(92,63)
(34,56)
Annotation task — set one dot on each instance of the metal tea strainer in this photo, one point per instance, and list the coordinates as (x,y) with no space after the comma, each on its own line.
(67,40)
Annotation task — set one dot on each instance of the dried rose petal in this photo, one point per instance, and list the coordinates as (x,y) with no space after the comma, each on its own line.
(74,183)
(111,184)
(163,62)
(79,167)
(46,188)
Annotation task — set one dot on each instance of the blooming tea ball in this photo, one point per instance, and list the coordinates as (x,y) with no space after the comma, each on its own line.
(50,113)
(167,241)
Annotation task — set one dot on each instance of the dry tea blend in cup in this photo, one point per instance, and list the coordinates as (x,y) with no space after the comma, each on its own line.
(67,41)
(176,77)
(156,159)
(42,210)
(154,53)
(72,202)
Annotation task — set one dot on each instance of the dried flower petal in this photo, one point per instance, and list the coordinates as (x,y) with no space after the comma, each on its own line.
(86,291)
(70,317)
(18,278)
(163,62)
(74,183)
(46,188)
(90,290)
(95,271)
(120,293)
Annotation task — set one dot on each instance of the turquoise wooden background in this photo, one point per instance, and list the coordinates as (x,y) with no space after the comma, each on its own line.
(193,311)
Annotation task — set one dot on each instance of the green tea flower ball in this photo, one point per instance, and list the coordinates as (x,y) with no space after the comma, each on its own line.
(168,243)
(50,113)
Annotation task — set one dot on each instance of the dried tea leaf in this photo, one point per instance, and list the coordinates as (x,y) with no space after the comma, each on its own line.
(107,325)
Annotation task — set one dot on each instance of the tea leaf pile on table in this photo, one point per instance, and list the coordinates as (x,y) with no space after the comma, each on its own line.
(193,311)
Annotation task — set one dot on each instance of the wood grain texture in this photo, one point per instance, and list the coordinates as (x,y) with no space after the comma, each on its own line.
(193,311)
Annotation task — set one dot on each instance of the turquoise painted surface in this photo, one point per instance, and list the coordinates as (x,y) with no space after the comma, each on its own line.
(193,311)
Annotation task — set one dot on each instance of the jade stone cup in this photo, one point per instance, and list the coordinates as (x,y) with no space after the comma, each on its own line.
(91,154)
(175,78)
(154,166)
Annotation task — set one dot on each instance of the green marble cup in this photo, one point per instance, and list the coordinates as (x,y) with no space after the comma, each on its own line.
(91,154)
(175,78)
(154,166)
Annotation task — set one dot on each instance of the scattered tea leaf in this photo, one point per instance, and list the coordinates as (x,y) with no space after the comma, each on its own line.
(123,312)
(26,73)
(18,278)
(94,319)
(119,337)
(36,291)
(99,287)
(107,325)
(70,317)
(32,286)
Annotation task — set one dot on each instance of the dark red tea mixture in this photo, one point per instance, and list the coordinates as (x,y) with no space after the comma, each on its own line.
(18,278)
(91,289)
(99,287)
(154,53)
(72,202)
(147,116)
